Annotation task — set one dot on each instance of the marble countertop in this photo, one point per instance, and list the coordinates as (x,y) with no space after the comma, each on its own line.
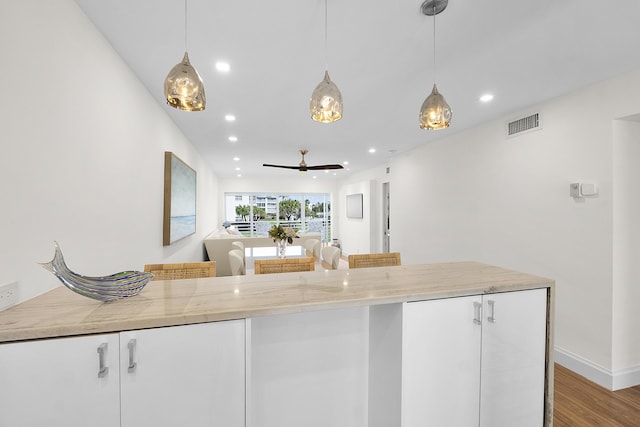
(61,312)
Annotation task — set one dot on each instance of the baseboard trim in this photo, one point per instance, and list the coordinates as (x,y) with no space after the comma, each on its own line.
(606,378)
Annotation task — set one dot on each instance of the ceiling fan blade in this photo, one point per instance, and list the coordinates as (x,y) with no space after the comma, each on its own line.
(324,167)
(281,166)
(302,167)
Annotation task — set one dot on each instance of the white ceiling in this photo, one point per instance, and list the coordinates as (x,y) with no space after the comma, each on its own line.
(380,54)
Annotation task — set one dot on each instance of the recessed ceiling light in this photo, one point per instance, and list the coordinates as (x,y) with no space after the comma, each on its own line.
(236,159)
(315,177)
(372,150)
(487,97)
(345,162)
(223,67)
(233,138)
(230,118)
(237,169)
(239,175)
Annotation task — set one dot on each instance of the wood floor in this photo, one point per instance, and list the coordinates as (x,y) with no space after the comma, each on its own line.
(580,403)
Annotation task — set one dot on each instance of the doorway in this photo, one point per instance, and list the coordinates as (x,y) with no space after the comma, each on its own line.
(386,235)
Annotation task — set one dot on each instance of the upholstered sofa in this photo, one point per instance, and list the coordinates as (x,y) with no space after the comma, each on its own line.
(218,245)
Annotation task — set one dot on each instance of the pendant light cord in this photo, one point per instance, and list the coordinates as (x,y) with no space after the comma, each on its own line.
(326,61)
(434,41)
(185,25)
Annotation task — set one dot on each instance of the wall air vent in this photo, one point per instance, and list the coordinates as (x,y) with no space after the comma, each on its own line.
(524,125)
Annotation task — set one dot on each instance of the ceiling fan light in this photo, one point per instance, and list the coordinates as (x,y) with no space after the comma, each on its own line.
(326,101)
(183,87)
(435,112)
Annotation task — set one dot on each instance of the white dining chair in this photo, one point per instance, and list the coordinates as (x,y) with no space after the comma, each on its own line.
(312,246)
(330,257)
(236,261)
(236,244)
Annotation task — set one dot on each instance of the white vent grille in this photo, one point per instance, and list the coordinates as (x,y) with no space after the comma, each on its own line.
(525,124)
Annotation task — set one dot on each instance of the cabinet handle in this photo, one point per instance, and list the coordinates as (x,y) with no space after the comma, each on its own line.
(477,308)
(102,370)
(132,363)
(492,312)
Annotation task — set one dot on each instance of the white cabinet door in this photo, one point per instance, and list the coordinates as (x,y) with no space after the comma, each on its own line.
(475,360)
(190,375)
(57,382)
(441,362)
(513,359)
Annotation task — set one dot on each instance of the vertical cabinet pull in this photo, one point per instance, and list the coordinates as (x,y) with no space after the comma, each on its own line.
(103,370)
(492,311)
(477,309)
(132,357)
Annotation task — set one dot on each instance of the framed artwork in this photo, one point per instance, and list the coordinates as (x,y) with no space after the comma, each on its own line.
(354,206)
(179,219)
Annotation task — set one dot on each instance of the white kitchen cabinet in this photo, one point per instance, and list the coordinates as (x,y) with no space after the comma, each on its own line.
(350,348)
(191,375)
(184,375)
(477,360)
(60,382)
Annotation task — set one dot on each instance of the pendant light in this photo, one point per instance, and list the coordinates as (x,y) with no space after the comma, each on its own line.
(183,87)
(435,112)
(326,99)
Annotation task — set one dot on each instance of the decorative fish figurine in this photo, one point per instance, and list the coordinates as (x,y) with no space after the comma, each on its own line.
(108,288)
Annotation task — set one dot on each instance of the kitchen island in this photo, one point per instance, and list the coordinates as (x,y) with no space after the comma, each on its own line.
(319,348)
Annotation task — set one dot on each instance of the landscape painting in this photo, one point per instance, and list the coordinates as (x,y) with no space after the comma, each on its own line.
(179,199)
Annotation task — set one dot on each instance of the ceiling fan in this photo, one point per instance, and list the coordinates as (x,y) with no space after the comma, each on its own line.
(303,167)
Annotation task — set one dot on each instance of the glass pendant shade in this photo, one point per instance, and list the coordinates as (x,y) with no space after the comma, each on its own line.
(183,88)
(326,101)
(435,112)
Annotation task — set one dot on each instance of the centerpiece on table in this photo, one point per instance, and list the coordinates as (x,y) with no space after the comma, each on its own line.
(282,236)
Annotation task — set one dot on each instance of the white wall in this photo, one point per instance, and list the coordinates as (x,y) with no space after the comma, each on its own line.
(505,201)
(355,234)
(83,151)
(360,236)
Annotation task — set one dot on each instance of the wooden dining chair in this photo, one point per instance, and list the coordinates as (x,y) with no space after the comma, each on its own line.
(186,270)
(374,260)
(283,265)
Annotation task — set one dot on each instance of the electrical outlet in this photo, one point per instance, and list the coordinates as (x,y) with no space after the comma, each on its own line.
(8,295)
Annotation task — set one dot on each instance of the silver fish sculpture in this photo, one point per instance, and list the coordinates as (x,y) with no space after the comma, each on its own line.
(107,288)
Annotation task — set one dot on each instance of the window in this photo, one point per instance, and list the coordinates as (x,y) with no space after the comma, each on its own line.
(254,213)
